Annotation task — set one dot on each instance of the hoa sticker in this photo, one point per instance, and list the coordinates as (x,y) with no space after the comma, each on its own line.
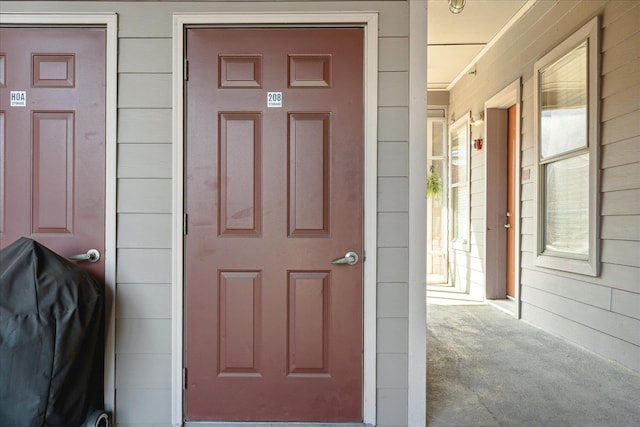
(274,99)
(18,98)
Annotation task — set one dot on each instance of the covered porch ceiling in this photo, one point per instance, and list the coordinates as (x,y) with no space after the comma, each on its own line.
(457,41)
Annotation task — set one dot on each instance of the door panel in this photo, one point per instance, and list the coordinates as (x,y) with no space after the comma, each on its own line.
(53,148)
(273,194)
(511,207)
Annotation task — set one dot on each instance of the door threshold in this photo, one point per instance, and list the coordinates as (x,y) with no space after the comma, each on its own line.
(270,424)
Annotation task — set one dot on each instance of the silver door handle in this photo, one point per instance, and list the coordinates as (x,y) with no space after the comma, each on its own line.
(350,258)
(507,226)
(92,255)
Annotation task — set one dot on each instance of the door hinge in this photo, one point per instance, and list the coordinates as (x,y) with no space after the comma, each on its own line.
(185,70)
(185,222)
(184,378)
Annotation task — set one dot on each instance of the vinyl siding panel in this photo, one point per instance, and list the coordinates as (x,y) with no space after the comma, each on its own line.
(393,158)
(145,55)
(143,336)
(144,196)
(622,227)
(393,124)
(598,342)
(144,231)
(621,54)
(144,301)
(148,406)
(393,300)
(144,161)
(144,370)
(622,153)
(144,266)
(599,313)
(393,229)
(394,54)
(139,125)
(144,90)
(393,89)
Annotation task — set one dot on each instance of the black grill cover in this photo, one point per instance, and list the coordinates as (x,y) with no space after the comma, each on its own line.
(51,338)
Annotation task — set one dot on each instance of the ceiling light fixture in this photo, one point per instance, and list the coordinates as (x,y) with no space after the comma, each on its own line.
(456,6)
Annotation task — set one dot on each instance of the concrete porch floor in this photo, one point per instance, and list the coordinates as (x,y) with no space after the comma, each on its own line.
(485,368)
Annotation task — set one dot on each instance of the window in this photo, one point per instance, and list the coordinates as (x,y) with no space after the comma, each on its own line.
(566,134)
(459,183)
(437,201)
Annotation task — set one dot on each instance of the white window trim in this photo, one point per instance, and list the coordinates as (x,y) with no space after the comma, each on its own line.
(465,245)
(590,266)
(369,22)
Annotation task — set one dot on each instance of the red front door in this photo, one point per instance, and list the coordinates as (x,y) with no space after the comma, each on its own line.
(52,139)
(274,192)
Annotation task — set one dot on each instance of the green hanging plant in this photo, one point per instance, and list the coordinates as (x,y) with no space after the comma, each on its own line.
(434,184)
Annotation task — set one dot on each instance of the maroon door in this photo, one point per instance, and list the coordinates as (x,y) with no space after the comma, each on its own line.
(52,138)
(273,194)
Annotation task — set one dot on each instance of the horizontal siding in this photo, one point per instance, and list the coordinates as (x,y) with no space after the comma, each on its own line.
(621,54)
(393,229)
(393,158)
(605,321)
(600,313)
(144,196)
(143,371)
(145,55)
(608,346)
(148,406)
(143,336)
(144,301)
(144,231)
(139,125)
(144,266)
(393,194)
(594,295)
(621,227)
(144,90)
(393,300)
(144,161)
(393,89)
(626,303)
(621,153)
(393,124)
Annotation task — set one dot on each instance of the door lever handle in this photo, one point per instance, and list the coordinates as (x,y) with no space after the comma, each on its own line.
(507,226)
(92,255)
(349,258)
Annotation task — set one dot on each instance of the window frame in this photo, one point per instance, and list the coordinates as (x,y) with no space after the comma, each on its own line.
(589,265)
(457,243)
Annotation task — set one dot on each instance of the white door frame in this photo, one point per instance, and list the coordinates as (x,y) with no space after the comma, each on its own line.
(369,22)
(510,95)
(109,21)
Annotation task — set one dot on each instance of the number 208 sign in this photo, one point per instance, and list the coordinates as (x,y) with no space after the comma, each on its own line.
(274,99)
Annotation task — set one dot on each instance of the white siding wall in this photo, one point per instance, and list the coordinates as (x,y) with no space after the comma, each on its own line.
(599,313)
(143,300)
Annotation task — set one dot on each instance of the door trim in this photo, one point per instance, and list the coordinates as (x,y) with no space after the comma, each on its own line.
(109,21)
(510,95)
(369,22)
